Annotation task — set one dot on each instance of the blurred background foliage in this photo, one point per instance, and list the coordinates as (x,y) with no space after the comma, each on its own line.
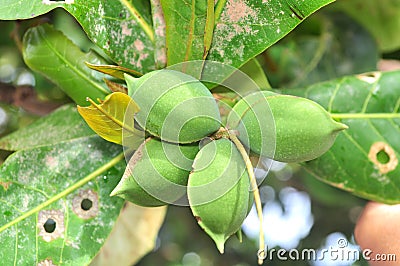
(347,37)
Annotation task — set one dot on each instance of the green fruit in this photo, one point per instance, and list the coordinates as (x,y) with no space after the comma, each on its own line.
(174,106)
(218,190)
(283,127)
(157,173)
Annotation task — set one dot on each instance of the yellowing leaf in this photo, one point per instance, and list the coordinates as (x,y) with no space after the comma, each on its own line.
(107,119)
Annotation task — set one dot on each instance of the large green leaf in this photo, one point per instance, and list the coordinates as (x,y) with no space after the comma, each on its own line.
(364,158)
(381,18)
(185,22)
(121,28)
(242,28)
(64,124)
(245,28)
(50,53)
(68,183)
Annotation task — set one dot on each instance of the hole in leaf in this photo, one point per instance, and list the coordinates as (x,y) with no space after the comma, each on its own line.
(86,204)
(382,157)
(49,226)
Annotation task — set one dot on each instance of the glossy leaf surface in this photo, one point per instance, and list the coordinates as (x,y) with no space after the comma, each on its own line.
(62,125)
(52,54)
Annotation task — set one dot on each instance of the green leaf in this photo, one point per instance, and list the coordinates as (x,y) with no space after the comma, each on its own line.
(245,28)
(381,18)
(64,124)
(185,22)
(50,53)
(369,104)
(51,184)
(114,71)
(12,10)
(107,119)
(341,48)
(254,70)
(122,28)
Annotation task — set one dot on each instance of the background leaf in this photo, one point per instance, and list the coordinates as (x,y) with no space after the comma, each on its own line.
(381,18)
(324,47)
(52,183)
(50,53)
(135,225)
(62,125)
(369,104)
(245,28)
(254,70)
(121,28)
(107,118)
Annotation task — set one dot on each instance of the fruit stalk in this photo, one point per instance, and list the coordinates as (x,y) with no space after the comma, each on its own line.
(256,193)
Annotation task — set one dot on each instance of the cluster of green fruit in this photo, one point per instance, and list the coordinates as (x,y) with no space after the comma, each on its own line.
(175,162)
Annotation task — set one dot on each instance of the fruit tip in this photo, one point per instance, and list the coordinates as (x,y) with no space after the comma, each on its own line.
(219,240)
(340,126)
(343,126)
(115,192)
(220,247)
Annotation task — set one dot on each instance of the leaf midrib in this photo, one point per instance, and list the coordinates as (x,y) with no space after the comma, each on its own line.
(75,69)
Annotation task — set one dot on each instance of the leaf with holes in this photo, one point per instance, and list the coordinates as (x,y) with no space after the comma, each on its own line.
(364,158)
(108,119)
(121,28)
(56,205)
(62,125)
(52,54)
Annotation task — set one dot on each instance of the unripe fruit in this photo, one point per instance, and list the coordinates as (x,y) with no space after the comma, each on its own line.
(218,190)
(283,127)
(157,173)
(174,106)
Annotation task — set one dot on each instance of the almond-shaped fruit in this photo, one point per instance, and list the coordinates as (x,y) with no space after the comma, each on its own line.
(283,127)
(218,190)
(174,106)
(157,173)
